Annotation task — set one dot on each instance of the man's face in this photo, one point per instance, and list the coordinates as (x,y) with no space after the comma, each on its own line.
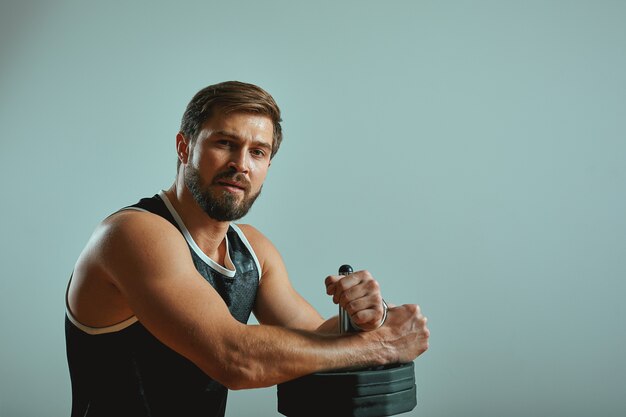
(228,163)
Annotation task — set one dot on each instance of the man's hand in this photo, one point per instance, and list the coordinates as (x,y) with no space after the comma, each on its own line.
(404,332)
(358,294)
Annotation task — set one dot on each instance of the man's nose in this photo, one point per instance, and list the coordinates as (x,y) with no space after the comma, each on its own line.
(239,161)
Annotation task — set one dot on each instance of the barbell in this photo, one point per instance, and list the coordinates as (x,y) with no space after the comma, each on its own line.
(368,392)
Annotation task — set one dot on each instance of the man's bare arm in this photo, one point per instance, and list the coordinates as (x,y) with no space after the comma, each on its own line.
(149,261)
(280,304)
(277,302)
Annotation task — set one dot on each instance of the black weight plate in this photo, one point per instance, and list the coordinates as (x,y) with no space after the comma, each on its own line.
(385,404)
(355,383)
(334,390)
(367,406)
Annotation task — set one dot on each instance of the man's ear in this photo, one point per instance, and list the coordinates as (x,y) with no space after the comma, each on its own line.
(182,148)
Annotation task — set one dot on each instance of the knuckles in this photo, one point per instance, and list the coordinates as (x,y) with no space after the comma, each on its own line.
(373,286)
(410,308)
(330,280)
(378,303)
(417,318)
(342,285)
(366,274)
(362,279)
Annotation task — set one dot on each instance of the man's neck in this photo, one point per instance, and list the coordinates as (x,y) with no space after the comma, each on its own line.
(208,233)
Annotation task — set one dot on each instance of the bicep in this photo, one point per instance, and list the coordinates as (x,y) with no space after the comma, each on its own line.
(153,270)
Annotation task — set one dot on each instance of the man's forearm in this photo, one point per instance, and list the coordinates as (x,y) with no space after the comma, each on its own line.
(260,356)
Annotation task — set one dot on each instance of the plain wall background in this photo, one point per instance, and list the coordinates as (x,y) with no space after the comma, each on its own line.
(470,154)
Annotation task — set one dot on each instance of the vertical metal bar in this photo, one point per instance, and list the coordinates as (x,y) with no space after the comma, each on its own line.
(345,325)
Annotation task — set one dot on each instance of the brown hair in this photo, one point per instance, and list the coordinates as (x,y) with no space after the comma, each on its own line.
(228,97)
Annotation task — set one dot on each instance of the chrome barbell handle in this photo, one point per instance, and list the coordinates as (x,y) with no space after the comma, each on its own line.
(345,324)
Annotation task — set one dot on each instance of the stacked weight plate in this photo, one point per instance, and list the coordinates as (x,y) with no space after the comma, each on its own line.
(371,392)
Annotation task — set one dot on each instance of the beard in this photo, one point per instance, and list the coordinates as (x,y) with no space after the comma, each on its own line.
(219,205)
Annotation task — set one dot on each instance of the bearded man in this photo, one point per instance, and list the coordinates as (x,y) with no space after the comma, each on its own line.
(158,301)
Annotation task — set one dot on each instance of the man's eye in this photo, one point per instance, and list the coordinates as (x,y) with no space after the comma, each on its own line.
(258,152)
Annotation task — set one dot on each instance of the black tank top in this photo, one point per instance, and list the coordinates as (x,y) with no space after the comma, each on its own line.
(123,370)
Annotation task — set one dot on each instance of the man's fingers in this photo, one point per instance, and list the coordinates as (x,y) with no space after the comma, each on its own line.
(336,287)
(364,303)
(361,289)
(368,319)
(363,317)
(330,283)
(359,294)
(366,309)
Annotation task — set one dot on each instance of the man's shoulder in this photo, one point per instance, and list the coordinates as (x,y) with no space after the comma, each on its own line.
(125,240)
(134,220)
(132,239)
(133,227)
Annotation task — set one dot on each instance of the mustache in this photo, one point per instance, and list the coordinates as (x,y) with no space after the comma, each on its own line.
(237,177)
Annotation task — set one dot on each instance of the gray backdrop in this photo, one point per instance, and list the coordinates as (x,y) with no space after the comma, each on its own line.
(470,154)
